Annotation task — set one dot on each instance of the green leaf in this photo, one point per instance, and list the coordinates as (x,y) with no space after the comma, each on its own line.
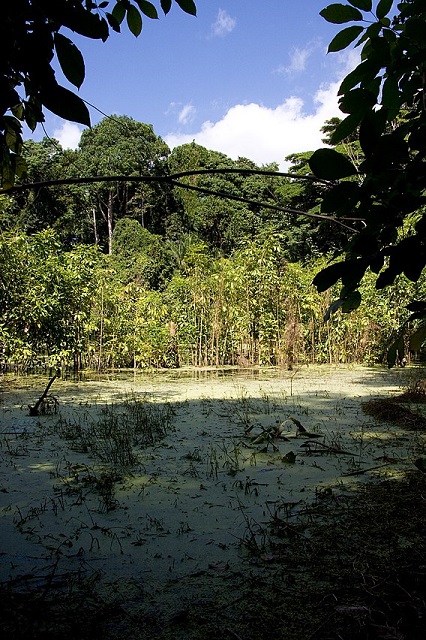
(329,164)
(417,338)
(188,6)
(166,6)
(390,95)
(357,101)
(329,276)
(386,278)
(351,302)
(383,8)
(119,12)
(340,198)
(335,306)
(344,38)
(363,73)
(370,130)
(12,134)
(20,166)
(65,104)
(18,111)
(113,22)
(70,59)
(148,9)
(134,20)
(8,175)
(415,30)
(416,305)
(374,30)
(340,13)
(345,128)
(364,5)
(83,22)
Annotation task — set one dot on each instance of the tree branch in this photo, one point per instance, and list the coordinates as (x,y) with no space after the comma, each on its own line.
(173,179)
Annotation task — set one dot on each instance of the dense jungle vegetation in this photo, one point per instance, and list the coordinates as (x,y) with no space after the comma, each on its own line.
(166,271)
(123,274)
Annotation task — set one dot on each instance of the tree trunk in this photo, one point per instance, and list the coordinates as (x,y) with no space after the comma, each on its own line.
(95,226)
(109,222)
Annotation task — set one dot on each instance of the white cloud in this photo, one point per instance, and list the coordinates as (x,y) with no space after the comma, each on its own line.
(224,24)
(68,135)
(299,58)
(186,114)
(266,134)
(269,134)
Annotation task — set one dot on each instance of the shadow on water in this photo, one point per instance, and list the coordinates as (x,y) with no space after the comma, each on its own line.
(207,532)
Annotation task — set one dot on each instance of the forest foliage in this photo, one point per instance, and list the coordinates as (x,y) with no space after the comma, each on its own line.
(130,274)
(189,257)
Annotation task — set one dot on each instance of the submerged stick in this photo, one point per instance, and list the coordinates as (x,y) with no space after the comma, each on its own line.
(359,472)
(35,410)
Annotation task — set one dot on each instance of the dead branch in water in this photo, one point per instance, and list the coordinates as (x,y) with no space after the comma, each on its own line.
(35,409)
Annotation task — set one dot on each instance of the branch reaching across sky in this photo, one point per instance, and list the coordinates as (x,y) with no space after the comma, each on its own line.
(175,180)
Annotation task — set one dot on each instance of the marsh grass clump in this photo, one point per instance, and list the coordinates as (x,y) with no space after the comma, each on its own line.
(387,410)
(120,430)
(415,392)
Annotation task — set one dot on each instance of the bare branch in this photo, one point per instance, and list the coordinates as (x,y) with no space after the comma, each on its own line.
(173,179)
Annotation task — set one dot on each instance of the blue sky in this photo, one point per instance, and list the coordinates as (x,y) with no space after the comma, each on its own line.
(249,78)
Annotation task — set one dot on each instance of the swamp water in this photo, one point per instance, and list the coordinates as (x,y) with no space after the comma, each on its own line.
(159,486)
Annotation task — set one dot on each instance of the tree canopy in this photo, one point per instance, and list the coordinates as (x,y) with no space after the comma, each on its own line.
(373,170)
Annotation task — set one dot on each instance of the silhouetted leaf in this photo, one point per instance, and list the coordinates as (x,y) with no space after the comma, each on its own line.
(166,5)
(417,138)
(351,302)
(371,128)
(81,21)
(340,13)
(329,276)
(415,30)
(134,20)
(386,277)
(417,338)
(357,101)
(188,6)
(344,38)
(113,22)
(335,306)
(12,134)
(119,12)
(383,8)
(345,128)
(65,104)
(365,5)
(364,72)
(148,9)
(70,59)
(331,165)
(340,198)
(417,305)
